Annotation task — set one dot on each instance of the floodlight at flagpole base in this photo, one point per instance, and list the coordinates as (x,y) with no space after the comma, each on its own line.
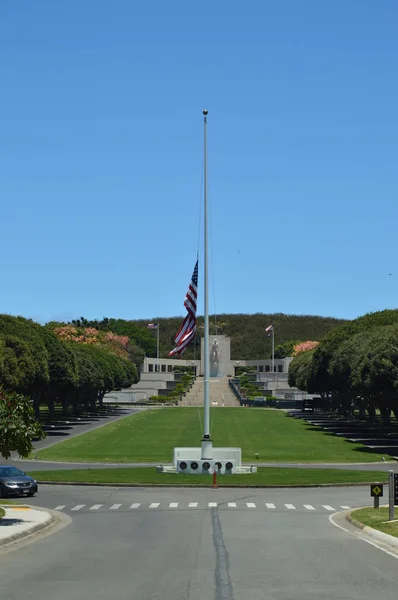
(198,461)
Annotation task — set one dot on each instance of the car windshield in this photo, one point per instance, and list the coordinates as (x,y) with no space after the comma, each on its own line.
(10,472)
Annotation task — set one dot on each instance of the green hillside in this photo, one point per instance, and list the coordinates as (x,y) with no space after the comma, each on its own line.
(247,332)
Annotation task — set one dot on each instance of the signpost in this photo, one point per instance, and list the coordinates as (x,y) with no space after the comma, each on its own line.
(392,493)
(376,491)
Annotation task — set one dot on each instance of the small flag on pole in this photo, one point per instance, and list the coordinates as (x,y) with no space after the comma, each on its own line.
(269,329)
(152,325)
(186,333)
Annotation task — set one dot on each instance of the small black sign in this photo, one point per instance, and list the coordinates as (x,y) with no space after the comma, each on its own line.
(376,489)
(395,488)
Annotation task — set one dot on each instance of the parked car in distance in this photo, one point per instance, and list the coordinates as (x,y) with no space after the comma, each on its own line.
(13,481)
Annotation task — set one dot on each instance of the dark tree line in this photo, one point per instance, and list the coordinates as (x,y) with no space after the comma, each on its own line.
(35,362)
(355,366)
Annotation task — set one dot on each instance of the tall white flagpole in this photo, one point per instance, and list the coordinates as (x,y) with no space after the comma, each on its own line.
(273,348)
(157,347)
(207,450)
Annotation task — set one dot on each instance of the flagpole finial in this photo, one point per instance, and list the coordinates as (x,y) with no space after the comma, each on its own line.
(205,112)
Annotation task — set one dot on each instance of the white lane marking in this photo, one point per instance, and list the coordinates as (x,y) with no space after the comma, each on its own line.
(308,507)
(114,506)
(270,505)
(345,507)
(154,505)
(173,505)
(78,506)
(290,507)
(359,537)
(231,504)
(193,505)
(135,505)
(212,505)
(328,507)
(60,507)
(95,506)
(250,505)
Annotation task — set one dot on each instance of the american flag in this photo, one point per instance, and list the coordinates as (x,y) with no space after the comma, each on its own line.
(152,325)
(186,333)
(269,329)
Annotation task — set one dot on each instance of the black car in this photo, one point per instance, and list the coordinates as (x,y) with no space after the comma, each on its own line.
(16,482)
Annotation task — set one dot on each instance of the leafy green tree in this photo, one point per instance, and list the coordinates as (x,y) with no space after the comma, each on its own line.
(90,379)
(29,332)
(300,370)
(17,364)
(62,369)
(375,368)
(285,349)
(322,377)
(18,425)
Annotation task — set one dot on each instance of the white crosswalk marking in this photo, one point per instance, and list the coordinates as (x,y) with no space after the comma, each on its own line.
(60,507)
(327,507)
(270,505)
(78,506)
(154,505)
(250,505)
(135,505)
(95,506)
(212,505)
(114,506)
(193,505)
(345,507)
(173,505)
(308,507)
(231,504)
(290,507)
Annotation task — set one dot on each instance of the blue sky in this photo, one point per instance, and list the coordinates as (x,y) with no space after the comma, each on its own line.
(101,156)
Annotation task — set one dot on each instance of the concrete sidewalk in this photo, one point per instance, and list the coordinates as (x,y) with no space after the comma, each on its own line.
(22,521)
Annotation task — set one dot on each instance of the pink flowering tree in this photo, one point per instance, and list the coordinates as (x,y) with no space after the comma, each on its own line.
(304,347)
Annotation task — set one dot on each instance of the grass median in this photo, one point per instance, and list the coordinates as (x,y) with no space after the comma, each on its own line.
(266,476)
(376,518)
(151,435)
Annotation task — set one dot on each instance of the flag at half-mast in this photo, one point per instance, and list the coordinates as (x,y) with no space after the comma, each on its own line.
(186,332)
(269,329)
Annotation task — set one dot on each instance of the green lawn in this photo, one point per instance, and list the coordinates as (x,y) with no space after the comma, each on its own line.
(376,518)
(264,477)
(151,435)
(2,512)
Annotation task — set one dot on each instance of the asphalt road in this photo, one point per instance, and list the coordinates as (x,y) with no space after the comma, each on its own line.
(199,552)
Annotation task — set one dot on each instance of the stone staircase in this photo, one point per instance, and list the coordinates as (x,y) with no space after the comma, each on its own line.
(219,393)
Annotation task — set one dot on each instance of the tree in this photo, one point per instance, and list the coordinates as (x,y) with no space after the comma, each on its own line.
(285,349)
(322,378)
(17,365)
(29,332)
(62,369)
(375,368)
(300,370)
(18,426)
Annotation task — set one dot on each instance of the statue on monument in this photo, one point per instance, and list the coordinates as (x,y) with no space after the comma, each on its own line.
(214,359)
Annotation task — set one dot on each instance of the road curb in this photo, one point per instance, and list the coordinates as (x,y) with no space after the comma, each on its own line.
(198,485)
(374,533)
(36,528)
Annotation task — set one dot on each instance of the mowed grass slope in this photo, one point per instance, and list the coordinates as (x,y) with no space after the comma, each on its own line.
(266,476)
(151,435)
